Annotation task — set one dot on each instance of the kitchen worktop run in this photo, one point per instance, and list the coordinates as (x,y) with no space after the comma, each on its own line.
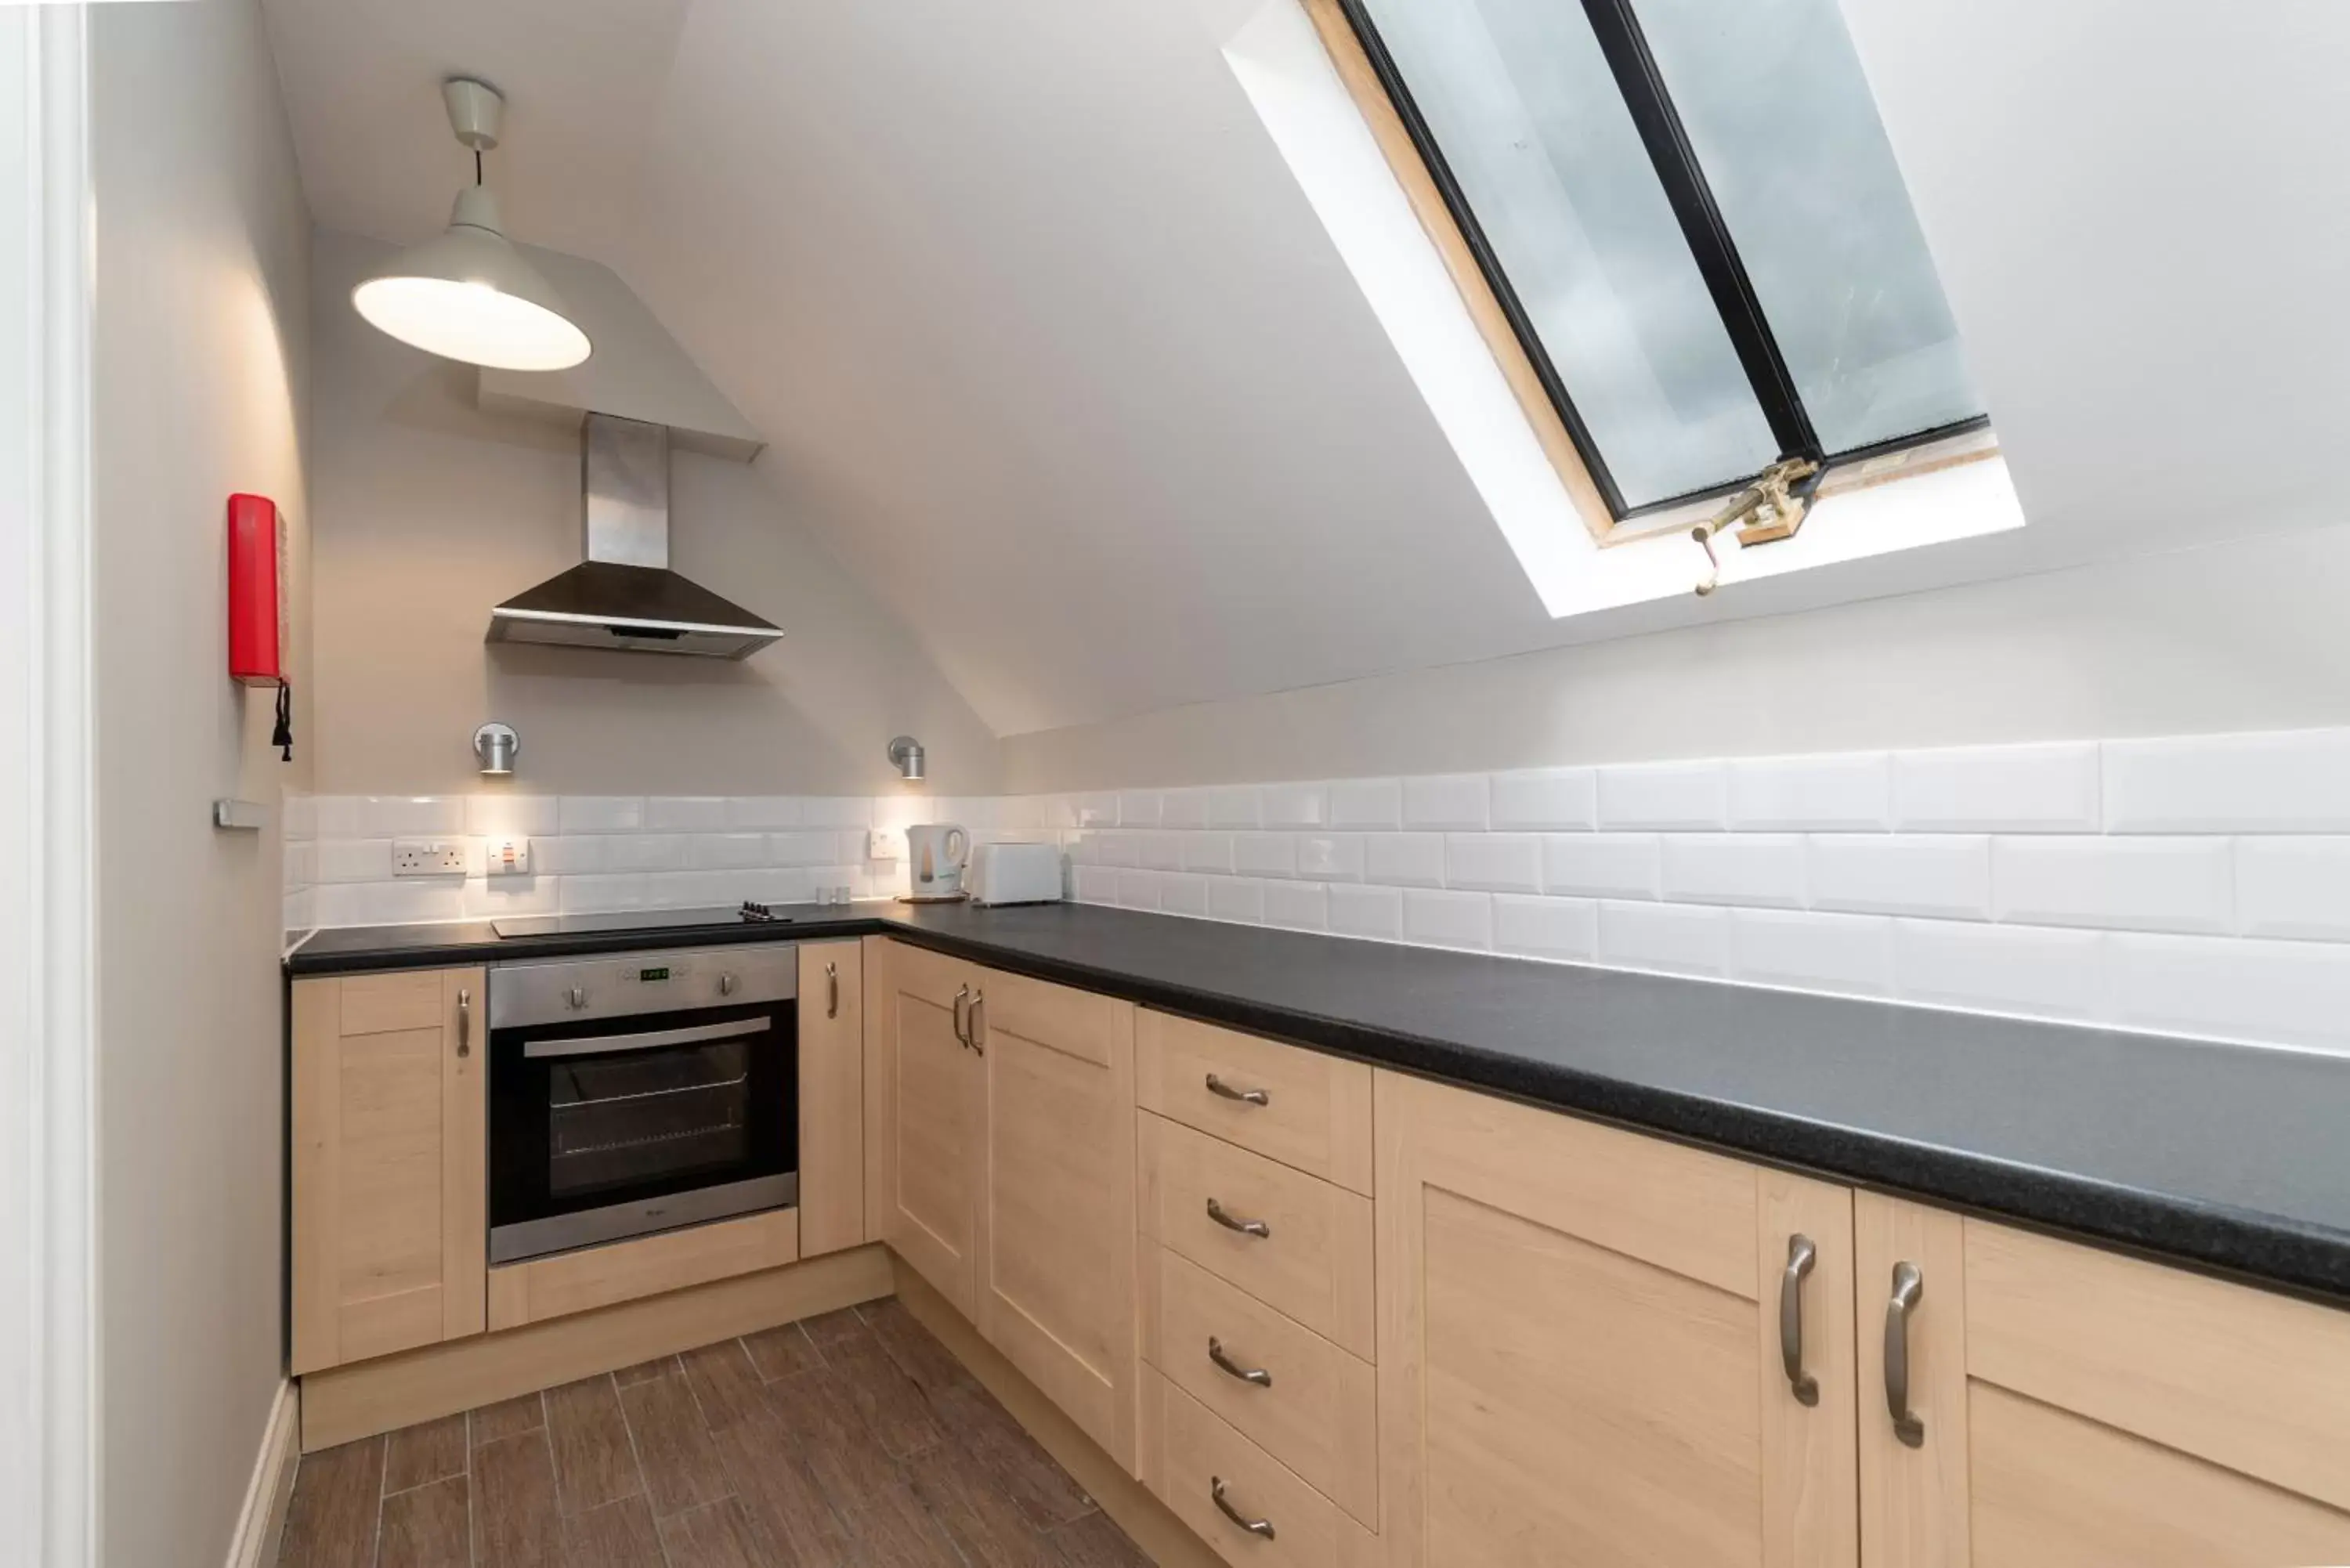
(2226,1156)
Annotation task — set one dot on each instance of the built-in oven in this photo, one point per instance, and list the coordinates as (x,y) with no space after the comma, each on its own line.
(638,1092)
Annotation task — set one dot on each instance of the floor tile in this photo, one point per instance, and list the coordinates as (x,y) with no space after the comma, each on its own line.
(525,1412)
(725,1383)
(681,1463)
(617,1535)
(826,1327)
(515,1524)
(986,1526)
(427,1527)
(429,1451)
(781,1352)
(892,1407)
(915,1349)
(715,1535)
(644,1371)
(1097,1542)
(780,1493)
(594,1460)
(1028,1475)
(330,1523)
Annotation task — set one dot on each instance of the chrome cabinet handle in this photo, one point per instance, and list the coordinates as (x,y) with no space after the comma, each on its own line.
(1261,1527)
(961,1024)
(725,985)
(832,991)
(576,996)
(1256,1227)
(1801,1255)
(464,1022)
(1909,1287)
(1246,1097)
(976,1027)
(1256,1376)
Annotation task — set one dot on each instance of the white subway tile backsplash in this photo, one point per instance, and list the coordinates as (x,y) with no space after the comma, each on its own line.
(1120,850)
(1330,857)
(351,860)
(1232,807)
(1139,809)
(650,852)
(1442,918)
(1679,939)
(1942,875)
(1298,906)
(1264,855)
(1295,805)
(1092,885)
(2027,969)
(2125,884)
(837,811)
(1752,868)
(2294,781)
(601,814)
(685,813)
(1138,889)
(808,847)
(2283,993)
(1161,851)
(686,889)
(1183,808)
(512,816)
(1452,801)
(1552,799)
(1097,810)
(1183,893)
(412,815)
(1851,954)
(762,812)
(1997,789)
(1404,859)
(1369,804)
(599,893)
(1558,929)
(1208,852)
(1602,864)
(1373,912)
(1674,797)
(728,851)
(301,817)
(498,898)
(569,856)
(1495,862)
(1236,898)
(1851,794)
(2289,887)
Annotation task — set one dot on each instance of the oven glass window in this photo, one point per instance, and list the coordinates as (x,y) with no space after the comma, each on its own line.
(615,1122)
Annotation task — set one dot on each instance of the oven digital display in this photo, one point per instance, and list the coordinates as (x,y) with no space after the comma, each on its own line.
(661,973)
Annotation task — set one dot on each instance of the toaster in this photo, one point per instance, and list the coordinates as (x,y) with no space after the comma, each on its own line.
(1014,874)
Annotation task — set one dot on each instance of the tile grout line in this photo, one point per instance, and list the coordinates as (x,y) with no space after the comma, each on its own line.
(644,1482)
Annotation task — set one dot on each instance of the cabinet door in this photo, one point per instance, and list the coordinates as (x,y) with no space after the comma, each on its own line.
(2077,1406)
(925,1115)
(389,1194)
(1056,1229)
(1579,1347)
(832,1097)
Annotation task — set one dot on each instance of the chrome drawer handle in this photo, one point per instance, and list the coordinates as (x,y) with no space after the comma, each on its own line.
(961,1023)
(464,1022)
(832,991)
(975,1022)
(1246,1097)
(1261,1527)
(1256,1227)
(1801,1255)
(1908,1286)
(1256,1376)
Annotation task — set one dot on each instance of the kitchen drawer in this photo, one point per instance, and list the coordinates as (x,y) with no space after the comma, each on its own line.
(1189,1454)
(1319,1413)
(381,1003)
(1312,1261)
(1304,1109)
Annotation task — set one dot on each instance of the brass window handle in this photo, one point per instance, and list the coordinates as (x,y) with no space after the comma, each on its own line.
(1801,1255)
(962,1020)
(1246,1097)
(1260,1526)
(464,1022)
(1256,1227)
(832,991)
(1909,1287)
(1256,1376)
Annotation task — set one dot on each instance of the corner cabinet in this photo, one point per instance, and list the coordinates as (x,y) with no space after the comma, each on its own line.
(1000,1145)
(1601,1347)
(388,1110)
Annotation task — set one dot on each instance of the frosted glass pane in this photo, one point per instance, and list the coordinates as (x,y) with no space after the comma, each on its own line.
(1520,101)
(1772,94)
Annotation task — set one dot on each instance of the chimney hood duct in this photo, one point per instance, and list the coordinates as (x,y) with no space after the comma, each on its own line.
(623,595)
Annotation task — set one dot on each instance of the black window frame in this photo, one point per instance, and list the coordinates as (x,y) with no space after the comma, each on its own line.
(1691,197)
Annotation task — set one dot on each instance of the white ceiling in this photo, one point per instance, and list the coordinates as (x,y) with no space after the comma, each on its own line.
(1052,353)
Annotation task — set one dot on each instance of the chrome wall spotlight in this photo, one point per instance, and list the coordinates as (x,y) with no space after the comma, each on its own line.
(496,745)
(906,755)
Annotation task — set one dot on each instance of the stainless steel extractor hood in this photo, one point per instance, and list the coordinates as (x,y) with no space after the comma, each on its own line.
(623,595)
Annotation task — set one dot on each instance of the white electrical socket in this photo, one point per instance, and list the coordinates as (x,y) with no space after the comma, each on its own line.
(507,857)
(881,844)
(428,857)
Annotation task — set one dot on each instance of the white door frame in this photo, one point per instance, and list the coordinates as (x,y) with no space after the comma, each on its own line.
(49,1368)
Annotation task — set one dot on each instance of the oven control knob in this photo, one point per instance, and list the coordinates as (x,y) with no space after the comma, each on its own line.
(577,996)
(725,985)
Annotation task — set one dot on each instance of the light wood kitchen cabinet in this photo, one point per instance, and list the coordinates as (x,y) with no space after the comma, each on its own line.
(390,1199)
(1003,1108)
(832,1097)
(2074,1406)
(1581,1355)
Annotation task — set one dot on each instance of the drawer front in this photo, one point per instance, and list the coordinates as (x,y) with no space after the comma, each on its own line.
(1190,1454)
(1312,1261)
(1304,1109)
(1314,1407)
(383,1004)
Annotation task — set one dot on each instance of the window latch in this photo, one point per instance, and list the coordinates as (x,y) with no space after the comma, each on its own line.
(1770,509)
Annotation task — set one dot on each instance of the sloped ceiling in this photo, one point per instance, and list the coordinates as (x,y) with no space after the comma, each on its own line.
(1052,353)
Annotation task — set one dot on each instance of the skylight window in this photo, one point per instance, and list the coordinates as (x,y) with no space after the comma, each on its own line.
(1682,230)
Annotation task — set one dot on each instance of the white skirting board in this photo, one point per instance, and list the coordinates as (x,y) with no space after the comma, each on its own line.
(263,1519)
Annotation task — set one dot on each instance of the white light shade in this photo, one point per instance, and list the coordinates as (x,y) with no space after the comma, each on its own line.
(470,295)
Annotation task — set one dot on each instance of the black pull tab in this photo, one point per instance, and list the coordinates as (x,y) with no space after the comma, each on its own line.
(283,735)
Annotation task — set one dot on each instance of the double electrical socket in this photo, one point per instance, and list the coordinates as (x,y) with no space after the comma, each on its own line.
(428,857)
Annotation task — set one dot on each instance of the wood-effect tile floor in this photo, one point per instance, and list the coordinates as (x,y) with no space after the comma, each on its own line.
(853,1440)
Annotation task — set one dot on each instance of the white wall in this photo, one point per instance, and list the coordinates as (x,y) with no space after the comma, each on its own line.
(431,511)
(2239,636)
(198,389)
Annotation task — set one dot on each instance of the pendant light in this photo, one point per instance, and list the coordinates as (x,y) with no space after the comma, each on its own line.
(469,294)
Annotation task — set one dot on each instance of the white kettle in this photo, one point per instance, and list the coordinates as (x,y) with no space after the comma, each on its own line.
(935,853)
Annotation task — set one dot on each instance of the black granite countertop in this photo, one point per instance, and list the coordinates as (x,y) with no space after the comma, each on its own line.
(2229,1158)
